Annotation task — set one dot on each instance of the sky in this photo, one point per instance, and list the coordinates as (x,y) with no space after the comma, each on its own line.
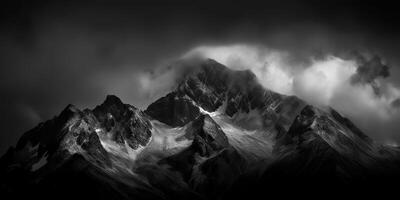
(342,54)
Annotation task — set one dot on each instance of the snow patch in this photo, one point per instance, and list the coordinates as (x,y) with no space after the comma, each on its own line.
(212,114)
(167,138)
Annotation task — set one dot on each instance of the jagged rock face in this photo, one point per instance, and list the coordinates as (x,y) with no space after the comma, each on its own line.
(75,131)
(348,124)
(322,151)
(125,122)
(330,126)
(210,164)
(212,85)
(45,153)
(207,139)
(324,145)
(46,141)
(48,135)
(173,109)
(90,142)
(302,123)
(208,136)
(207,87)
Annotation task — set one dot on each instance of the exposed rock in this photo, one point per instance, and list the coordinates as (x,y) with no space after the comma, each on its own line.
(47,136)
(213,85)
(326,146)
(173,109)
(208,139)
(208,136)
(90,142)
(210,164)
(125,122)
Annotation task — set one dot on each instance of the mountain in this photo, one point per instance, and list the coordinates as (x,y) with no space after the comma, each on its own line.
(213,86)
(218,135)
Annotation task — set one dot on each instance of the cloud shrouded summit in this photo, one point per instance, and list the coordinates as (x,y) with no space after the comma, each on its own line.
(354,85)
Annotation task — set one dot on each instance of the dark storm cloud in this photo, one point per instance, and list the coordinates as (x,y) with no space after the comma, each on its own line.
(53,53)
(396,103)
(369,70)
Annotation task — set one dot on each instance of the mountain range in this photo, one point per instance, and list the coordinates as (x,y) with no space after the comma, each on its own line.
(218,135)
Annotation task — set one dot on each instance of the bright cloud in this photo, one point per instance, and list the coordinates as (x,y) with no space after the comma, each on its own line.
(319,82)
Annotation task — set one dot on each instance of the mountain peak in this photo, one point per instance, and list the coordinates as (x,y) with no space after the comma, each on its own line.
(125,123)
(69,110)
(173,109)
(213,69)
(71,107)
(113,106)
(113,100)
(213,85)
(212,81)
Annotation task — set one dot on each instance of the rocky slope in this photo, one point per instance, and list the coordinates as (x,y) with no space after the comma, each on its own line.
(218,135)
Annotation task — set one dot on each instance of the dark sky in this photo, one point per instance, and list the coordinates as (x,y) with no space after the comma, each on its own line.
(53,53)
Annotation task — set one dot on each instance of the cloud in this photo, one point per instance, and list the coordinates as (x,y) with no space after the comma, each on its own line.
(270,66)
(369,71)
(347,83)
(396,103)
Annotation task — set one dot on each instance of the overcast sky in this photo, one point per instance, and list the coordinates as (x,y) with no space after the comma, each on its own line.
(56,53)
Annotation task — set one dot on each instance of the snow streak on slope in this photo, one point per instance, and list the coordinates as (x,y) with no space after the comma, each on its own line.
(165,141)
(122,156)
(166,138)
(117,149)
(255,145)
